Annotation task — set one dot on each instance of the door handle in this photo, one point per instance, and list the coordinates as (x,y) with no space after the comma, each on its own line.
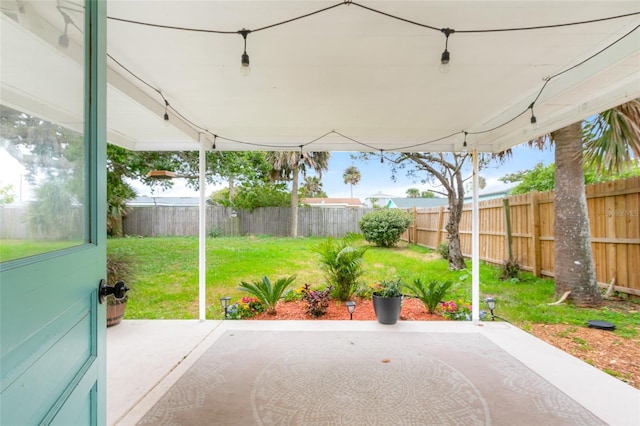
(119,290)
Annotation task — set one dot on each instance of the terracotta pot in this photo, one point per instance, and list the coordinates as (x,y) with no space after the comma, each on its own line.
(387,309)
(115,311)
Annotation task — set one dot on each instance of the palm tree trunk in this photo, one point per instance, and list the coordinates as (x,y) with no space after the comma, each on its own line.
(574,269)
(293,220)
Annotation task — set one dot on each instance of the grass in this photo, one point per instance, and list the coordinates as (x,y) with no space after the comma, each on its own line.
(166,285)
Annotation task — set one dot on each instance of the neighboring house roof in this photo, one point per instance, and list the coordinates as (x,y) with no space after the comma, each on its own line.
(405,203)
(332,202)
(165,201)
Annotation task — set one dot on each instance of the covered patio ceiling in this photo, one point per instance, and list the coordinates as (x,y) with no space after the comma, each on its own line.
(364,80)
(355,77)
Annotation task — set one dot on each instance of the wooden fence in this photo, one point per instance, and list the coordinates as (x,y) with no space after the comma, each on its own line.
(523,226)
(163,221)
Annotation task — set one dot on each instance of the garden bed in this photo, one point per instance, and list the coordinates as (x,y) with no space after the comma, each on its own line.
(412,310)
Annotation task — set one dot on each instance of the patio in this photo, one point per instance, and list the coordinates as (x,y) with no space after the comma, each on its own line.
(147,357)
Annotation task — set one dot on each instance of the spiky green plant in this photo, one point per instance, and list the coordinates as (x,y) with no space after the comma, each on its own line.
(430,294)
(342,263)
(266,293)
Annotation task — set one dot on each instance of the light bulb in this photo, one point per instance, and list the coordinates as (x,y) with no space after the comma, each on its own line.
(444,62)
(167,123)
(245,68)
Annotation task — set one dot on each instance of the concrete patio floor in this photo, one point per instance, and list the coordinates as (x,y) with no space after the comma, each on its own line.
(145,358)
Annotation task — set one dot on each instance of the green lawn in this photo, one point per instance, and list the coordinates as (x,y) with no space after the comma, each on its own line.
(166,285)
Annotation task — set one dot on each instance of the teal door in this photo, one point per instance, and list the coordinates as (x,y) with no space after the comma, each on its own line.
(52,214)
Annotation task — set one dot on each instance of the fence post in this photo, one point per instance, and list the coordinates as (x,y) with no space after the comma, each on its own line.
(415,226)
(440,223)
(535,234)
(507,228)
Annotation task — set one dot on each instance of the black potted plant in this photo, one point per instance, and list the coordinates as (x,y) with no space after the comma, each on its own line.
(387,301)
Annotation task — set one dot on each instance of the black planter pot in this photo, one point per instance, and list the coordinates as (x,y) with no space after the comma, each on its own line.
(387,309)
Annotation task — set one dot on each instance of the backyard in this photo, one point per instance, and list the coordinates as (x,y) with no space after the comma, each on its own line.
(166,287)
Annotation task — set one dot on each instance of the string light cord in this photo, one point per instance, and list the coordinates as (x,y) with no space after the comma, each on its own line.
(371,147)
(548,79)
(380,12)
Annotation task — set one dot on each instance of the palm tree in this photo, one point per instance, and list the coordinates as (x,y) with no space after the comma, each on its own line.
(607,142)
(351,176)
(287,166)
(312,187)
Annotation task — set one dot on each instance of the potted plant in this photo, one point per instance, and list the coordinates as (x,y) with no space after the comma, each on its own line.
(387,301)
(119,268)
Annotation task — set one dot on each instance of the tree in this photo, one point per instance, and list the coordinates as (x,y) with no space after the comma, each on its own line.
(287,166)
(427,194)
(252,196)
(312,188)
(607,143)
(542,178)
(413,192)
(447,170)
(351,176)
(6,195)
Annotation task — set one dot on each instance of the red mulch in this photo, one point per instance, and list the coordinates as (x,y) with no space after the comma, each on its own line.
(412,310)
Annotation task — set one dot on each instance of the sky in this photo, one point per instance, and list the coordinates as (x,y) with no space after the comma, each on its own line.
(376,178)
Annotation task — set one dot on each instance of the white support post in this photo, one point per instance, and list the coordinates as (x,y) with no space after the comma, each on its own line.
(202,233)
(475,244)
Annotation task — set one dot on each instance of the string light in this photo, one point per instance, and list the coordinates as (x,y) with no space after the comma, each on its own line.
(445,57)
(400,148)
(301,154)
(244,61)
(464,144)
(63,41)
(533,117)
(166,111)
(214,141)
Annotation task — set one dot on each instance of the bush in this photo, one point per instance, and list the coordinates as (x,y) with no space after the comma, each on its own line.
(384,227)
(266,293)
(510,270)
(443,250)
(317,300)
(431,294)
(342,264)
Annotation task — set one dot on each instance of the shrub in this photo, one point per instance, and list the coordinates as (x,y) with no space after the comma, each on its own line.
(389,288)
(443,250)
(342,264)
(317,300)
(215,232)
(384,227)
(510,270)
(431,294)
(266,293)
